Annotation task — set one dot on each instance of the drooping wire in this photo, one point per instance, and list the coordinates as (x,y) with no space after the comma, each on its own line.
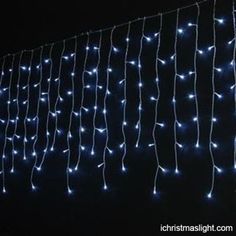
(140,85)
(158,166)
(196,77)
(107,92)
(69,135)
(124,81)
(59,99)
(49,81)
(36,136)
(26,102)
(211,143)
(15,136)
(81,108)
(6,138)
(176,122)
(96,94)
(234,68)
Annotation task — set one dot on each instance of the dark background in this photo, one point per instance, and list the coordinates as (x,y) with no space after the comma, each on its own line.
(131,208)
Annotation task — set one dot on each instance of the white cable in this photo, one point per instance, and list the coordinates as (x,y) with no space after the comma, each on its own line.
(26,102)
(58,99)
(158,166)
(49,81)
(69,135)
(14,136)
(81,147)
(140,84)
(124,123)
(34,153)
(211,143)
(7,126)
(106,148)
(96,95)
(176,122)
(234,67)
(196,77)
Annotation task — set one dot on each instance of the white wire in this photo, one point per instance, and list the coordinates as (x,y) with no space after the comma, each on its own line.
(196,77)
(59,98)
(1,78)
(158,166)
(234,66)
(96,94)
(125,100)
(174,92)
(122,24)
(7,126)
(18,109)
(49,108)
(70,121)
(82,105)
(27,108)
(213,103)
(34,153)
(138,124)
(105,110)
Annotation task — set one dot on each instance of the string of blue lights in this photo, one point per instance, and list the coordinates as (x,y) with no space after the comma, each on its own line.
(21,85)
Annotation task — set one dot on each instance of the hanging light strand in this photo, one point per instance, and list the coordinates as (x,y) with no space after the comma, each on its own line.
(59,99)
(14,135)
(49,81)
(176,122)
(34,152)
(26,102)
(196,78)
(107,92)
(69,133)
(124,122)
(96,94)
(7,126)
(158,166)
(234,68)
(140,85)
(211,143)
(81,108)
(1,79)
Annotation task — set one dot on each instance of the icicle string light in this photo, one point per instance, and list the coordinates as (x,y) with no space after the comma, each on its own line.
(107,92)
(59,99)
(81,108)
(234,68)
(69,133)
(124,102)
(26,102)
(96,71)
(6,138)
(195,79)
(140,85)
(158,166)
(49,82)
(34,153)
(2,122)
(15,136)
(211,143)
(176,122)
(32,87)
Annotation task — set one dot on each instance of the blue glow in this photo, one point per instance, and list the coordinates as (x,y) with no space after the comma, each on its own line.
(220,20)
(209,195)
(180,31)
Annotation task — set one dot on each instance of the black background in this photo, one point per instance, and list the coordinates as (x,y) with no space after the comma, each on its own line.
(131,208)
